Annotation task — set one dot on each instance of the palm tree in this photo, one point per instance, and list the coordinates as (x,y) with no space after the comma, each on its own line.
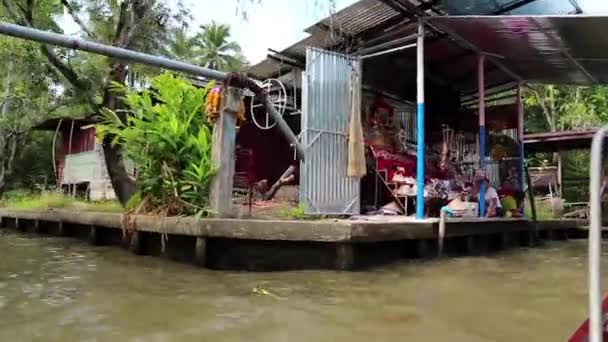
(180,46)
(216,50)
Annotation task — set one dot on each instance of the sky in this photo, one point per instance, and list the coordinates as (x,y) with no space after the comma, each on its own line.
(274,24)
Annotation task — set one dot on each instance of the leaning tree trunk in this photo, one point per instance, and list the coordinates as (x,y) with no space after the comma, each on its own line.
(123,184)
(131,13)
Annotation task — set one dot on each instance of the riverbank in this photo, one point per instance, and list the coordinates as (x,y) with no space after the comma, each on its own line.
(260,245)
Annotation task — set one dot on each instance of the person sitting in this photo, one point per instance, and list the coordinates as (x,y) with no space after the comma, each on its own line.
(493,204)
(457,203)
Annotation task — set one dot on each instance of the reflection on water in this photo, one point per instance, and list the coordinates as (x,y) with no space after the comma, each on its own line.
(64,290)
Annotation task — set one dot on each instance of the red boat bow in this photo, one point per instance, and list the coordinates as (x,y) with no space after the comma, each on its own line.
(582,333)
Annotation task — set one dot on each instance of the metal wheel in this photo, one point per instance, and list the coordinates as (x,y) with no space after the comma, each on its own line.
(278,96)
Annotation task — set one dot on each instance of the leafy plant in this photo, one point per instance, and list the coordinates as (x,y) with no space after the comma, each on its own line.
(168,137)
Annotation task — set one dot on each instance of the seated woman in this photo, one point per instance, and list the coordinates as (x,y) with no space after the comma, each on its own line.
(457,203)
(493,204)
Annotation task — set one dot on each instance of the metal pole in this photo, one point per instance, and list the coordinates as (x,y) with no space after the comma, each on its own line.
(384,52)
(595,236)
(520,135)
(420,122)
(482,132)
(44,37)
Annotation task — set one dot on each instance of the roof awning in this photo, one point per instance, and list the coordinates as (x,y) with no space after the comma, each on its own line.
(539,49)
(559,141)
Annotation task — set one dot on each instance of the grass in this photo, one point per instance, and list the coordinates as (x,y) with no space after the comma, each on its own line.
(54,200)
(543,213)
(292,213)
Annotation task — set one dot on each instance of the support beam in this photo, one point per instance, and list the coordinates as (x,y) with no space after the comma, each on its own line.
(420,122)
(75,43)
(200,252)
(93,235)
(520,135)
(136,243)
(345,256)
(482,131)
(61,229)
(222,153)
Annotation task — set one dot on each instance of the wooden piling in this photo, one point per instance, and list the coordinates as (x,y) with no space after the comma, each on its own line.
(222,152)
(200,252)
(135,245)
(427,249)
(93,235)
(18,224)
(61,229)
(345,256)
(36,227)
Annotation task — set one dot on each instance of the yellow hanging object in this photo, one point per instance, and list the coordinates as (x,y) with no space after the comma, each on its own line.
(212,105)
(240,117)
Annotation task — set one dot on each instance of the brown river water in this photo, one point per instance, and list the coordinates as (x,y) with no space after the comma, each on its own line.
(54,289)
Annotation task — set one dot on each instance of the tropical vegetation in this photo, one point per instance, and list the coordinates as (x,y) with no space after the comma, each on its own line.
(47,81)
(168,137)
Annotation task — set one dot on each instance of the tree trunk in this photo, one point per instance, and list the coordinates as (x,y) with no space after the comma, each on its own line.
(123,184)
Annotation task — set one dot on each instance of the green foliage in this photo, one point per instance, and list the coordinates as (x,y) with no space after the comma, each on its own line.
(169,139)
(211,47)
(216,50)
(293,213)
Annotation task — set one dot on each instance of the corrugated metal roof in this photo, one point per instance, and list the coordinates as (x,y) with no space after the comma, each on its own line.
(357,18)
(540,49)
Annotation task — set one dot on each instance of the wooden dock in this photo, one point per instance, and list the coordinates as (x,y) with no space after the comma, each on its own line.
(291,244)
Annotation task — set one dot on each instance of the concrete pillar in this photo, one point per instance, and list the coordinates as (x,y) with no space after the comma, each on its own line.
(94,235)
(136,245)
(200,251)
(222,154)
(345,256)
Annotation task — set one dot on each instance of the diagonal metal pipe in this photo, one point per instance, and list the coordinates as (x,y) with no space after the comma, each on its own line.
(52,38)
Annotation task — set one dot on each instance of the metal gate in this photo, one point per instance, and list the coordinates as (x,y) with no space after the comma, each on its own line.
(327,85)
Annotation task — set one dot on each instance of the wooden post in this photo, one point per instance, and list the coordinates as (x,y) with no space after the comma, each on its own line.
(441,235)
(61,229)
(345,256)
(506,240)
(18,225)
(36,226)
(93,235)
(471,245)
(223,147)
(427,249)
(136,244)
(200,251)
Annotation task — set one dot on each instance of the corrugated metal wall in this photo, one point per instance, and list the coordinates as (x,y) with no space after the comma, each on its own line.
(326,105)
